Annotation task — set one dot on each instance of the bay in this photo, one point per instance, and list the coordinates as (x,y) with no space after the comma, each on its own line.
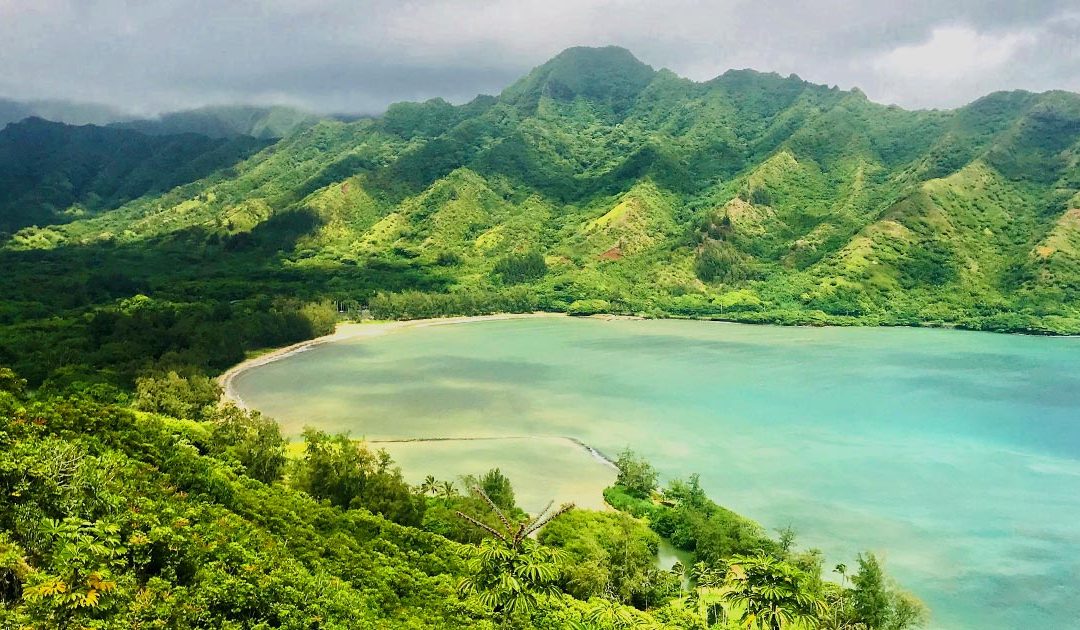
(954,455)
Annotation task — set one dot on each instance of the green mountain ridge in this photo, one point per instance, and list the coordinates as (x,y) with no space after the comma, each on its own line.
(51,173)
(215,121)
(750,196)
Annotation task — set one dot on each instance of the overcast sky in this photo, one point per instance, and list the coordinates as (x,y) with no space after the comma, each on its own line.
(358,56)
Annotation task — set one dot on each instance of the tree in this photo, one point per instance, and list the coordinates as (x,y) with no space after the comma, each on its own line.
(611,555)
(253,440)
(496,486)
(720,261)
(510,572)
(636,474)
(349,475)
(771,594)
(878,605)
(10,382)
(688,493)
(870,598)
(179,396)
(787,539)
(517,268)
(610,614)
(707,597)
(429,485)
(84,555)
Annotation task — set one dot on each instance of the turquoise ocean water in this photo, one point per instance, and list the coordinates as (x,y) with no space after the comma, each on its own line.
(954,455)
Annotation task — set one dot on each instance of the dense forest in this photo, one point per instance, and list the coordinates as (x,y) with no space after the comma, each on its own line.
(161,508)
(141,259)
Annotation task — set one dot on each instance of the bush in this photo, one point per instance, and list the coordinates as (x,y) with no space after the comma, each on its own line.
(636,474)
(349,475)
(518,268)
(251,439)
(175,395)
(589,307)
(721,262)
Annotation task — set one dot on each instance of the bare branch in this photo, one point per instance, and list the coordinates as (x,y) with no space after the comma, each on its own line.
(502,517)
(484,526)
(566,507)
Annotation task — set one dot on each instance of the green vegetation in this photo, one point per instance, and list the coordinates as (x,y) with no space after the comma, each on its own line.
(138,265)
(612,556)
(518,268)
(636,475)
(193,516)
(593,184)
(747,579)
(52,173)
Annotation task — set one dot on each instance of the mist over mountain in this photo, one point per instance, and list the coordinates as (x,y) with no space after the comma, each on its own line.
(69,112)
(226,121)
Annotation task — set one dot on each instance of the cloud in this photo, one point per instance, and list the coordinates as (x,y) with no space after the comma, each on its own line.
(954,52)
(961,60)
(360,55)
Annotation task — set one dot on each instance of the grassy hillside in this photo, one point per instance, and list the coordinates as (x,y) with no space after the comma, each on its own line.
(51,173)
(751,196)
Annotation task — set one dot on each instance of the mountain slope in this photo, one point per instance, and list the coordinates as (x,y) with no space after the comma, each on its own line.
(646,192)
(53,173)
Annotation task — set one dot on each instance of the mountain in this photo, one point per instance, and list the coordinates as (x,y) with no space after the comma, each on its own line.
(222,121)
(751,196)
(225,122)
(60,111)
(138,262)
(52,173)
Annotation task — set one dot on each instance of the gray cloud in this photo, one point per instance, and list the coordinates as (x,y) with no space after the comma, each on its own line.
(358,56)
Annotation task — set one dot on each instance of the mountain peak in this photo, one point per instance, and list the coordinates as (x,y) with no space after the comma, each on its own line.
(608,74)
(611,55)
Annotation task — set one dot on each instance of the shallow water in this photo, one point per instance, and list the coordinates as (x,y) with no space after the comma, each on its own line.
(955,455)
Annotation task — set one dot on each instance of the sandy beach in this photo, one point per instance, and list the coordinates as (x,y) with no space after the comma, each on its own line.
(543,467)
(353,330)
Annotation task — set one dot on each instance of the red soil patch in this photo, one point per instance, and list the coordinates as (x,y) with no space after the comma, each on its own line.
(615,253)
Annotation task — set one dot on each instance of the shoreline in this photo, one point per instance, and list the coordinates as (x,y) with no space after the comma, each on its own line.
(594,452)
(345,331)
(353,330)
(357,330)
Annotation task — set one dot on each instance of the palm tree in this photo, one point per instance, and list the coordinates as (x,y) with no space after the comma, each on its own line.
(771,594)
(447,490)
(840,568)
(707,596)
(510,571)
(515,533)
(429,485)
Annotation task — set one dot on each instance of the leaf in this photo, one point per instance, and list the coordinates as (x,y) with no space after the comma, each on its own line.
(91,598)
